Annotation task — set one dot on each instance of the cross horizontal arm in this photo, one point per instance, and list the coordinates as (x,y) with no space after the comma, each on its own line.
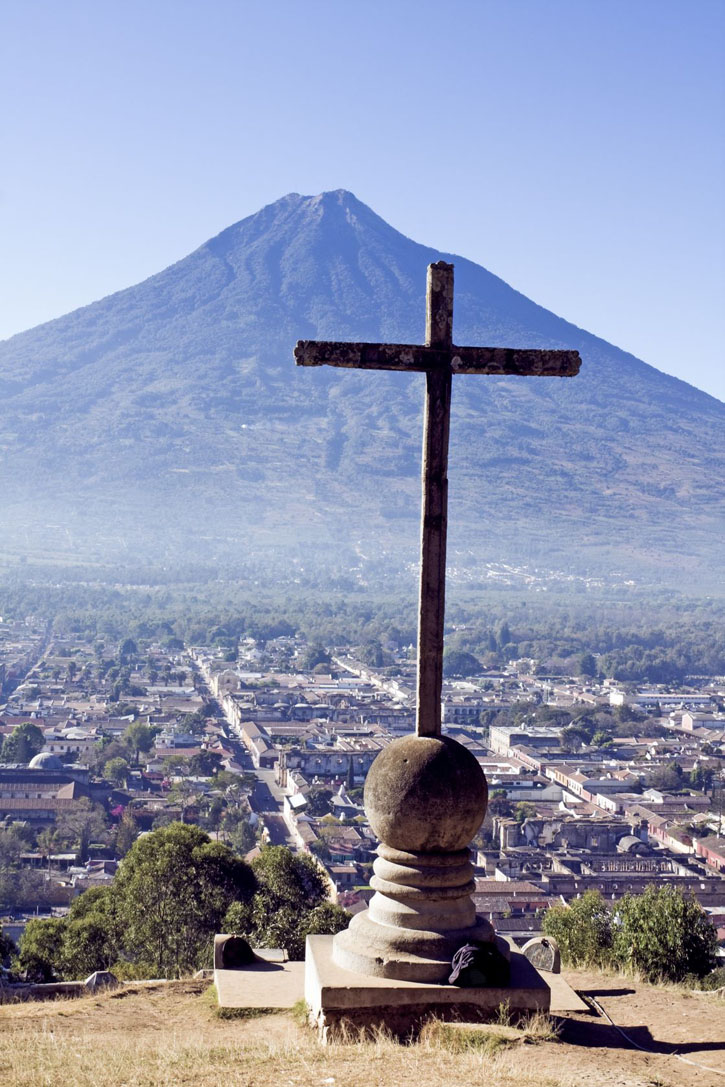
(415,357)
(511,360)
(370,356)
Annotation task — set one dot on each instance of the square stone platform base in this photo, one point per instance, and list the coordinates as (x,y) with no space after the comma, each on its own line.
(339,998)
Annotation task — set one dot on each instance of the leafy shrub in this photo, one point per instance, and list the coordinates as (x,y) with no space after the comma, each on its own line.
(583,930)
(714,980)
(661,934)
(290,903)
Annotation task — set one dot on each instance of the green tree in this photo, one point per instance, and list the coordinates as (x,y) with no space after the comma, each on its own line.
(25,741)
(7,949)
(212,810)
(318,802)
(116,770)
(548,715)
(323,920)
(126,833)
(12,844)
(587,665)
(583,930)
(321,849)
(312,656)
(571,740)
(290,878)
(47,840)
(238,920)
(524,810)
(458,663)
(499,804)
(372,653)
(667,778)
(73,947)
(664,935)
(175,765)
(128,650)
(105,750)
(139,737)
(22,887)
(92,933)
(701,778)
(240,834)
(77,827)
(194,722)
(183,793)
(40,957)
(205,764)
(173,889)
(291,888)
(18,885)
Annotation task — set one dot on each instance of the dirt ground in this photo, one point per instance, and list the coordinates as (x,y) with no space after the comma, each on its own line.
(169,1035)
(662,1020)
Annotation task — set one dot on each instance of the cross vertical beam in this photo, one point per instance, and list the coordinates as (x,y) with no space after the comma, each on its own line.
(434,503)
(439,359)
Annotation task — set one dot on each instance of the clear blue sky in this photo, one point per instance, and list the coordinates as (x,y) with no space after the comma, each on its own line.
(573,147)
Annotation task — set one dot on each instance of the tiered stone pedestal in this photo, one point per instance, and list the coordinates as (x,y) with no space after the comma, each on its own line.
(341,1000)
(425,797)
(419,916)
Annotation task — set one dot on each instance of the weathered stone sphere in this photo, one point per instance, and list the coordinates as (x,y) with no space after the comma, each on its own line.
(425,794)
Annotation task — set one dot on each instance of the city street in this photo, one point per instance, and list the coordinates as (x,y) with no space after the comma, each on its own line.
(266,800)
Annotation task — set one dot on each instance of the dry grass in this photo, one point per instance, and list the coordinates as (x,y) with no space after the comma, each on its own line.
(491,1038)
(488,1038)
(170,1036)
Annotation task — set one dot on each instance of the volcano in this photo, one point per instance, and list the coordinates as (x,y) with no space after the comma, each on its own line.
(168,421)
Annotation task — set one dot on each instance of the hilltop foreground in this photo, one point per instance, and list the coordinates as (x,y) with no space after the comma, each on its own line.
(170,1035)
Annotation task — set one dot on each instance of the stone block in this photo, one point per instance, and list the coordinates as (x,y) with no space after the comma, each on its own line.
(235,953)
(543,952)
(341,999)
(101,979)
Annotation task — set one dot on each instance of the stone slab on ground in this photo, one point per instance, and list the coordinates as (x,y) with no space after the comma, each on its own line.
(563,998)
(261,985)
(257,987)
(336,996)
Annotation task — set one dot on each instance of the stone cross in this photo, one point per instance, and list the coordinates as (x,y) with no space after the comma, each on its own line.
(439,358)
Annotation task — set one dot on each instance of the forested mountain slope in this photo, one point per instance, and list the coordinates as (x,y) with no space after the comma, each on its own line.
(169,420)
